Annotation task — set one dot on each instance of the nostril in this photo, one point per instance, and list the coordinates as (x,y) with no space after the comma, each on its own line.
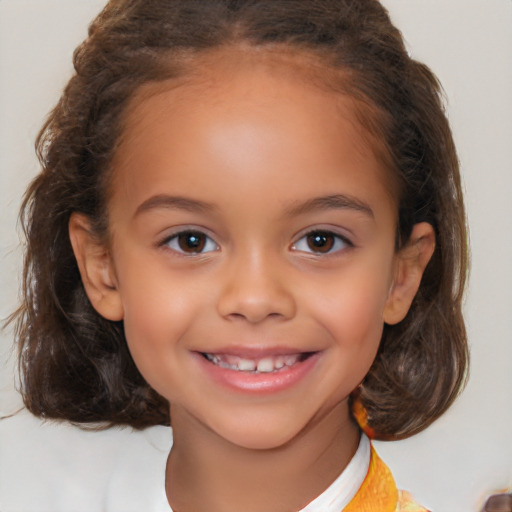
(255,294)
(256,306)
(254,316)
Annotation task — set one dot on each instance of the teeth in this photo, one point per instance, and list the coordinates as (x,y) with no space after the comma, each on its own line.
(246,365)
(290,360)
(265,365)
(212,358)
(279,362)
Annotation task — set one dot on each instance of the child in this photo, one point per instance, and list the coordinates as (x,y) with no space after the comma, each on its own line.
(249,226)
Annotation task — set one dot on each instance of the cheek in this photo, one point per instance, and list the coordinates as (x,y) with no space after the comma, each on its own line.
(154,298)
(148,330)
(352,312)
(158,311)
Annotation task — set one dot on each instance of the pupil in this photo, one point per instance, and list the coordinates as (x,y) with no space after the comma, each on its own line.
(192,242)
(320,242)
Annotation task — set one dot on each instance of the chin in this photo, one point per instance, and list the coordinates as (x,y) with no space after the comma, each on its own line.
(258,435)
(260,441)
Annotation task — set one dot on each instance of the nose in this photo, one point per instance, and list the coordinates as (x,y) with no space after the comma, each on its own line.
(255,289)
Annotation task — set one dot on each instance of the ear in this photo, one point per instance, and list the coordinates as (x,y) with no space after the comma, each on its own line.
(410,265)
(96,268)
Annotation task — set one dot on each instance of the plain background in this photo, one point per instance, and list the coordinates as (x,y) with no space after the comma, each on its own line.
(465,455)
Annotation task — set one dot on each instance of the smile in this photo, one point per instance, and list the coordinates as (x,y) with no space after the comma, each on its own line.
(267,364)
(257,372)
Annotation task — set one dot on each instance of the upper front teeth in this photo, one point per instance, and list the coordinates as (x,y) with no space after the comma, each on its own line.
(246,365)
(264,365)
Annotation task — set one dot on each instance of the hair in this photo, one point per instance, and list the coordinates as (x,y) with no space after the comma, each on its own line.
(74,364)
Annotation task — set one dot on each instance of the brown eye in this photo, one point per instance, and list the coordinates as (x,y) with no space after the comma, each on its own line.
(320,241)
(191,242)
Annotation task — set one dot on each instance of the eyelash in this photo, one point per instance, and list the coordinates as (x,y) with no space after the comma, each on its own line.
(311,242)
(334,242)
(198,238)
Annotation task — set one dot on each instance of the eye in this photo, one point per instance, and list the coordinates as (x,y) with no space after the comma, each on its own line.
(191,242)
(321,242)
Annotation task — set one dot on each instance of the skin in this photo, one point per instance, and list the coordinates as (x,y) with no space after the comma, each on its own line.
(245,157)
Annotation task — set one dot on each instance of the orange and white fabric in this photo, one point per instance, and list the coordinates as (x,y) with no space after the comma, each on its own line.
(366,485)
(378,492)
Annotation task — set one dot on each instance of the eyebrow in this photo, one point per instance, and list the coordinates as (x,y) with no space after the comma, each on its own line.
(336,201)
(163,201)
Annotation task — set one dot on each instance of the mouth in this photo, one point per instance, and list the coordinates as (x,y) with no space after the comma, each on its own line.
(257,372)
(260,365)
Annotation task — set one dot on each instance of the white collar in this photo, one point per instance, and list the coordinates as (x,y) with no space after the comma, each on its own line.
(339,494)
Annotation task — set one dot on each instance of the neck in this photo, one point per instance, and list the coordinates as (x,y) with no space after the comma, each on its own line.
(207,472)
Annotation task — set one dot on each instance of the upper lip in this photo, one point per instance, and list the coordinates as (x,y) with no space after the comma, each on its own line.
(249,352)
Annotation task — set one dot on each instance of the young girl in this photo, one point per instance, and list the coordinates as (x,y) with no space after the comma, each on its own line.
(249,226)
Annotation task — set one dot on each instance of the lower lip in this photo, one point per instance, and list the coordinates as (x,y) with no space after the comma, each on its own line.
(259,383)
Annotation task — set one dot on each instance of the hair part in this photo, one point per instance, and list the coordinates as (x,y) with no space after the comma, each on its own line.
(74,364)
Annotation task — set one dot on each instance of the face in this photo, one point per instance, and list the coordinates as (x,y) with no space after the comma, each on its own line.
(252,251)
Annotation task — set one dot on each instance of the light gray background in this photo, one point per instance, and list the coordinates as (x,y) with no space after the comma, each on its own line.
(468,43)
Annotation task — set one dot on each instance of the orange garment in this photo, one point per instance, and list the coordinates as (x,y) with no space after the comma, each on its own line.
(378,493)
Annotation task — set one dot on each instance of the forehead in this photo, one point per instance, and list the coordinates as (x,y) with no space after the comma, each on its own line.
(255,97)
(208,74)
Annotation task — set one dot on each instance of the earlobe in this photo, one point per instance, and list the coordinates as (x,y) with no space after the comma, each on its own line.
(96,269)
(410,265)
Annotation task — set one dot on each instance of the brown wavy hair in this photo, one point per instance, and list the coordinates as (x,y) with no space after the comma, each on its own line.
(74,364)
